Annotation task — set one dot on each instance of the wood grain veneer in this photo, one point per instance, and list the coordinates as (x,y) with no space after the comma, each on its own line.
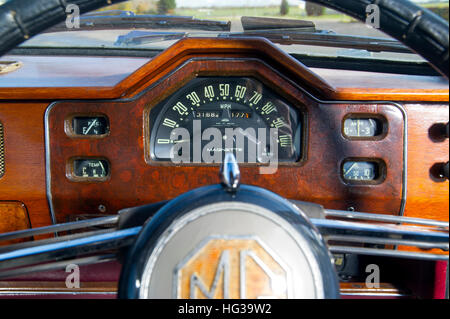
(108,78)
(13,217)
(427,198)
(66,77)
(134,182)
(359,85)
(24,178)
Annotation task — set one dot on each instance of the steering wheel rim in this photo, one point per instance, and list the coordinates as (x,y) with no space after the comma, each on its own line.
(419,29)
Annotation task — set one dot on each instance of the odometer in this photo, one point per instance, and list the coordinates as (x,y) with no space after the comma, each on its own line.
(212,116)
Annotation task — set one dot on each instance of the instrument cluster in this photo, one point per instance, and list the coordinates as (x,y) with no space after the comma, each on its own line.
(172,138)
(212,116)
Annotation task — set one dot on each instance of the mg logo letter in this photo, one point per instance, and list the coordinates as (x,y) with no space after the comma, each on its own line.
(232,268)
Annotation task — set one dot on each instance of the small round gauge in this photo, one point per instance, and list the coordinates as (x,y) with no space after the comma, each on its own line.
(90,126)
(90,168)
(362,127)
(361,171)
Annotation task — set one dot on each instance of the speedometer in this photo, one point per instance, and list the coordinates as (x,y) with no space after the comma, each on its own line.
(212,116)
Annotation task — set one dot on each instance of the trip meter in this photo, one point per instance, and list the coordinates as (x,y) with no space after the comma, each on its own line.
(213,116)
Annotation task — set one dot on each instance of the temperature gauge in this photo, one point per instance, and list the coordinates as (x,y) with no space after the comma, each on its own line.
(90,169)
(90,126)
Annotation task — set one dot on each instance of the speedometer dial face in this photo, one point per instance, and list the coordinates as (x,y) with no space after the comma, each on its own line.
(212,116)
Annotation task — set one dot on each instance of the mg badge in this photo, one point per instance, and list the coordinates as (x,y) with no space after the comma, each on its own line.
(229,249)
(227,267)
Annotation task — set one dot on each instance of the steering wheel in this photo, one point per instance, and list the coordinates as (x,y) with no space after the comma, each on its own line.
(214,240)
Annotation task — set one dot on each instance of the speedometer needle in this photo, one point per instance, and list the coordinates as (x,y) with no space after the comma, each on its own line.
(251,138)
(103,168)
(350,169)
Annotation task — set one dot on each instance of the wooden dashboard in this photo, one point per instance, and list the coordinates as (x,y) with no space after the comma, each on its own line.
(37,101)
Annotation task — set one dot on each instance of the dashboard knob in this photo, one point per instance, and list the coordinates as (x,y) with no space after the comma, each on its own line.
(229,173)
